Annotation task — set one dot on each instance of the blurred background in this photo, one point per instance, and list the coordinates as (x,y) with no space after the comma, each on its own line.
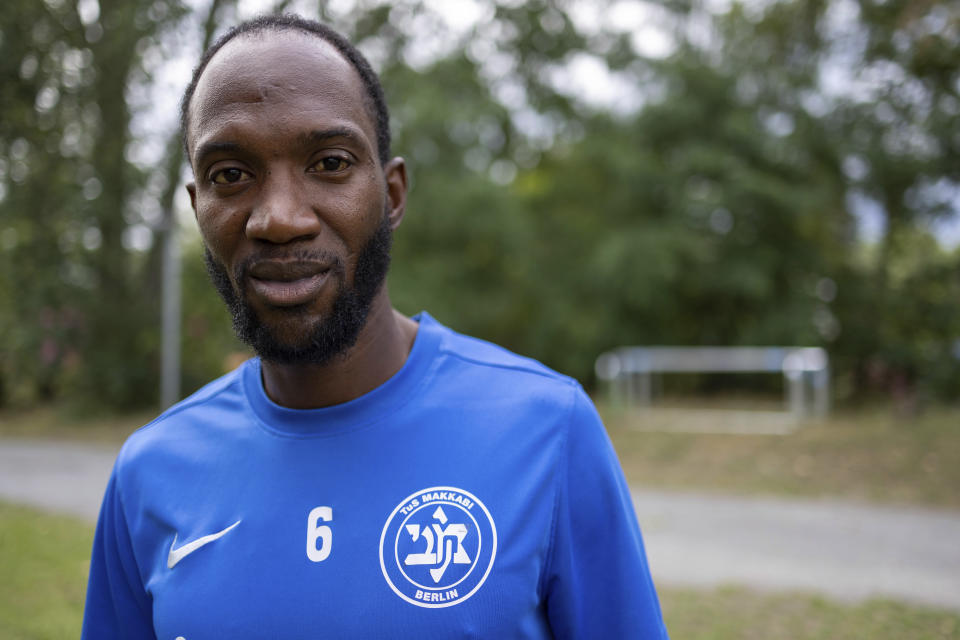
(585,174)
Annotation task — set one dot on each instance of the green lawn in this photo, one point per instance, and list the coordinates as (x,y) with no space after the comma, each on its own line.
(57,423)
(859,455)
(43,561)
(739,614)
(43,565)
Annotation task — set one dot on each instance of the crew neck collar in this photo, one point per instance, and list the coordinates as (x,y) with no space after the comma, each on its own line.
(371,406)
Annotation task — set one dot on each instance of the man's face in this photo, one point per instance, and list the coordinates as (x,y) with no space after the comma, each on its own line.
(293,205)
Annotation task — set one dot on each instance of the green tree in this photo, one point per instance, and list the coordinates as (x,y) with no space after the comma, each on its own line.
(75,311)
(723,209)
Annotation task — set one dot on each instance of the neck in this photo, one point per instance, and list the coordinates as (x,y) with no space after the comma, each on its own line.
(381,349)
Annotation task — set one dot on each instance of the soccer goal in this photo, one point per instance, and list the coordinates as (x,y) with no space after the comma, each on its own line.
(629,372)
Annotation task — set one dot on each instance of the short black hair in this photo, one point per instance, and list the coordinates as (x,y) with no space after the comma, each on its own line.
(376,104)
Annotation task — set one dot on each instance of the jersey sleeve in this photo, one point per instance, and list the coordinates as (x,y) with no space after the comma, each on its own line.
(117,605)
(597,582)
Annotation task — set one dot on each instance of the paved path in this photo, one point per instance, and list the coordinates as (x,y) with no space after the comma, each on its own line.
(57,476)
(844,550)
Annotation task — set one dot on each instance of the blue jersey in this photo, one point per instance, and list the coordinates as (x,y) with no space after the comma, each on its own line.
(475,494)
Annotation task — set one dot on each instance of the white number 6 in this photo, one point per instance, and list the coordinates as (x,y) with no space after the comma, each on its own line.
(322,532)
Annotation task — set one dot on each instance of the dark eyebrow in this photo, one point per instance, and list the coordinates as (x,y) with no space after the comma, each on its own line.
(311,138)
(213,146)
(322,135)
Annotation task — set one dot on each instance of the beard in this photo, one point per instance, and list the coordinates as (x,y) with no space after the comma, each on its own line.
(336,331)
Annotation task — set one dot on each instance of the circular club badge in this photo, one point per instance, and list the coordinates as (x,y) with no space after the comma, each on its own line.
(437,547)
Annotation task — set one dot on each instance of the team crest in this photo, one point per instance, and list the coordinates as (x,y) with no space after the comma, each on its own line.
(437,547)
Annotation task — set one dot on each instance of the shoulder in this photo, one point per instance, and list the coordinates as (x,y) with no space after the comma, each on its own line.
(481,371)
(469,352)
(190,421)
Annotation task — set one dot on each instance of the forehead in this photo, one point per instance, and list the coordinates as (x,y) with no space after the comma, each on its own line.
(279,75)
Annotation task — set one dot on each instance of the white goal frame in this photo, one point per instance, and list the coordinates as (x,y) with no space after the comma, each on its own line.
(806,371)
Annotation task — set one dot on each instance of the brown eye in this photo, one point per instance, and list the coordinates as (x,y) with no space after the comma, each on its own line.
(333,163)
(229,176)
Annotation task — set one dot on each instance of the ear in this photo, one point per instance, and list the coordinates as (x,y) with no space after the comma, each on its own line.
(395,173)
(192,190)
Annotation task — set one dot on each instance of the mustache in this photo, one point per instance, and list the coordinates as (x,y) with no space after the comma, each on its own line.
(286,254)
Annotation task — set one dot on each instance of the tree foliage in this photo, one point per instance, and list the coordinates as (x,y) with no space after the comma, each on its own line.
(775,182)
(74,297)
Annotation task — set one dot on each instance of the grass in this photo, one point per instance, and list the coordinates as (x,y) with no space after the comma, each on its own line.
(43,561)
(872,456)
(55,423)
(732,613)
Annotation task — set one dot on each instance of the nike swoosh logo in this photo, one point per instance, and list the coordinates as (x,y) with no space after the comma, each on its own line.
(176,555)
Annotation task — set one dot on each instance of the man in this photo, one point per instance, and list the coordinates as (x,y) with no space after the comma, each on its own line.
(369,475)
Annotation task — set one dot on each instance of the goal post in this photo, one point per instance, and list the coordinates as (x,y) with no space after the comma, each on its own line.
(806,371)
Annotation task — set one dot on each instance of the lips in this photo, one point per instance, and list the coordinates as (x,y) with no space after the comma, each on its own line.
(287,283)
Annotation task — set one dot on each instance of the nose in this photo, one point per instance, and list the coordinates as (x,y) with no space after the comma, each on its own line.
(282,213)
